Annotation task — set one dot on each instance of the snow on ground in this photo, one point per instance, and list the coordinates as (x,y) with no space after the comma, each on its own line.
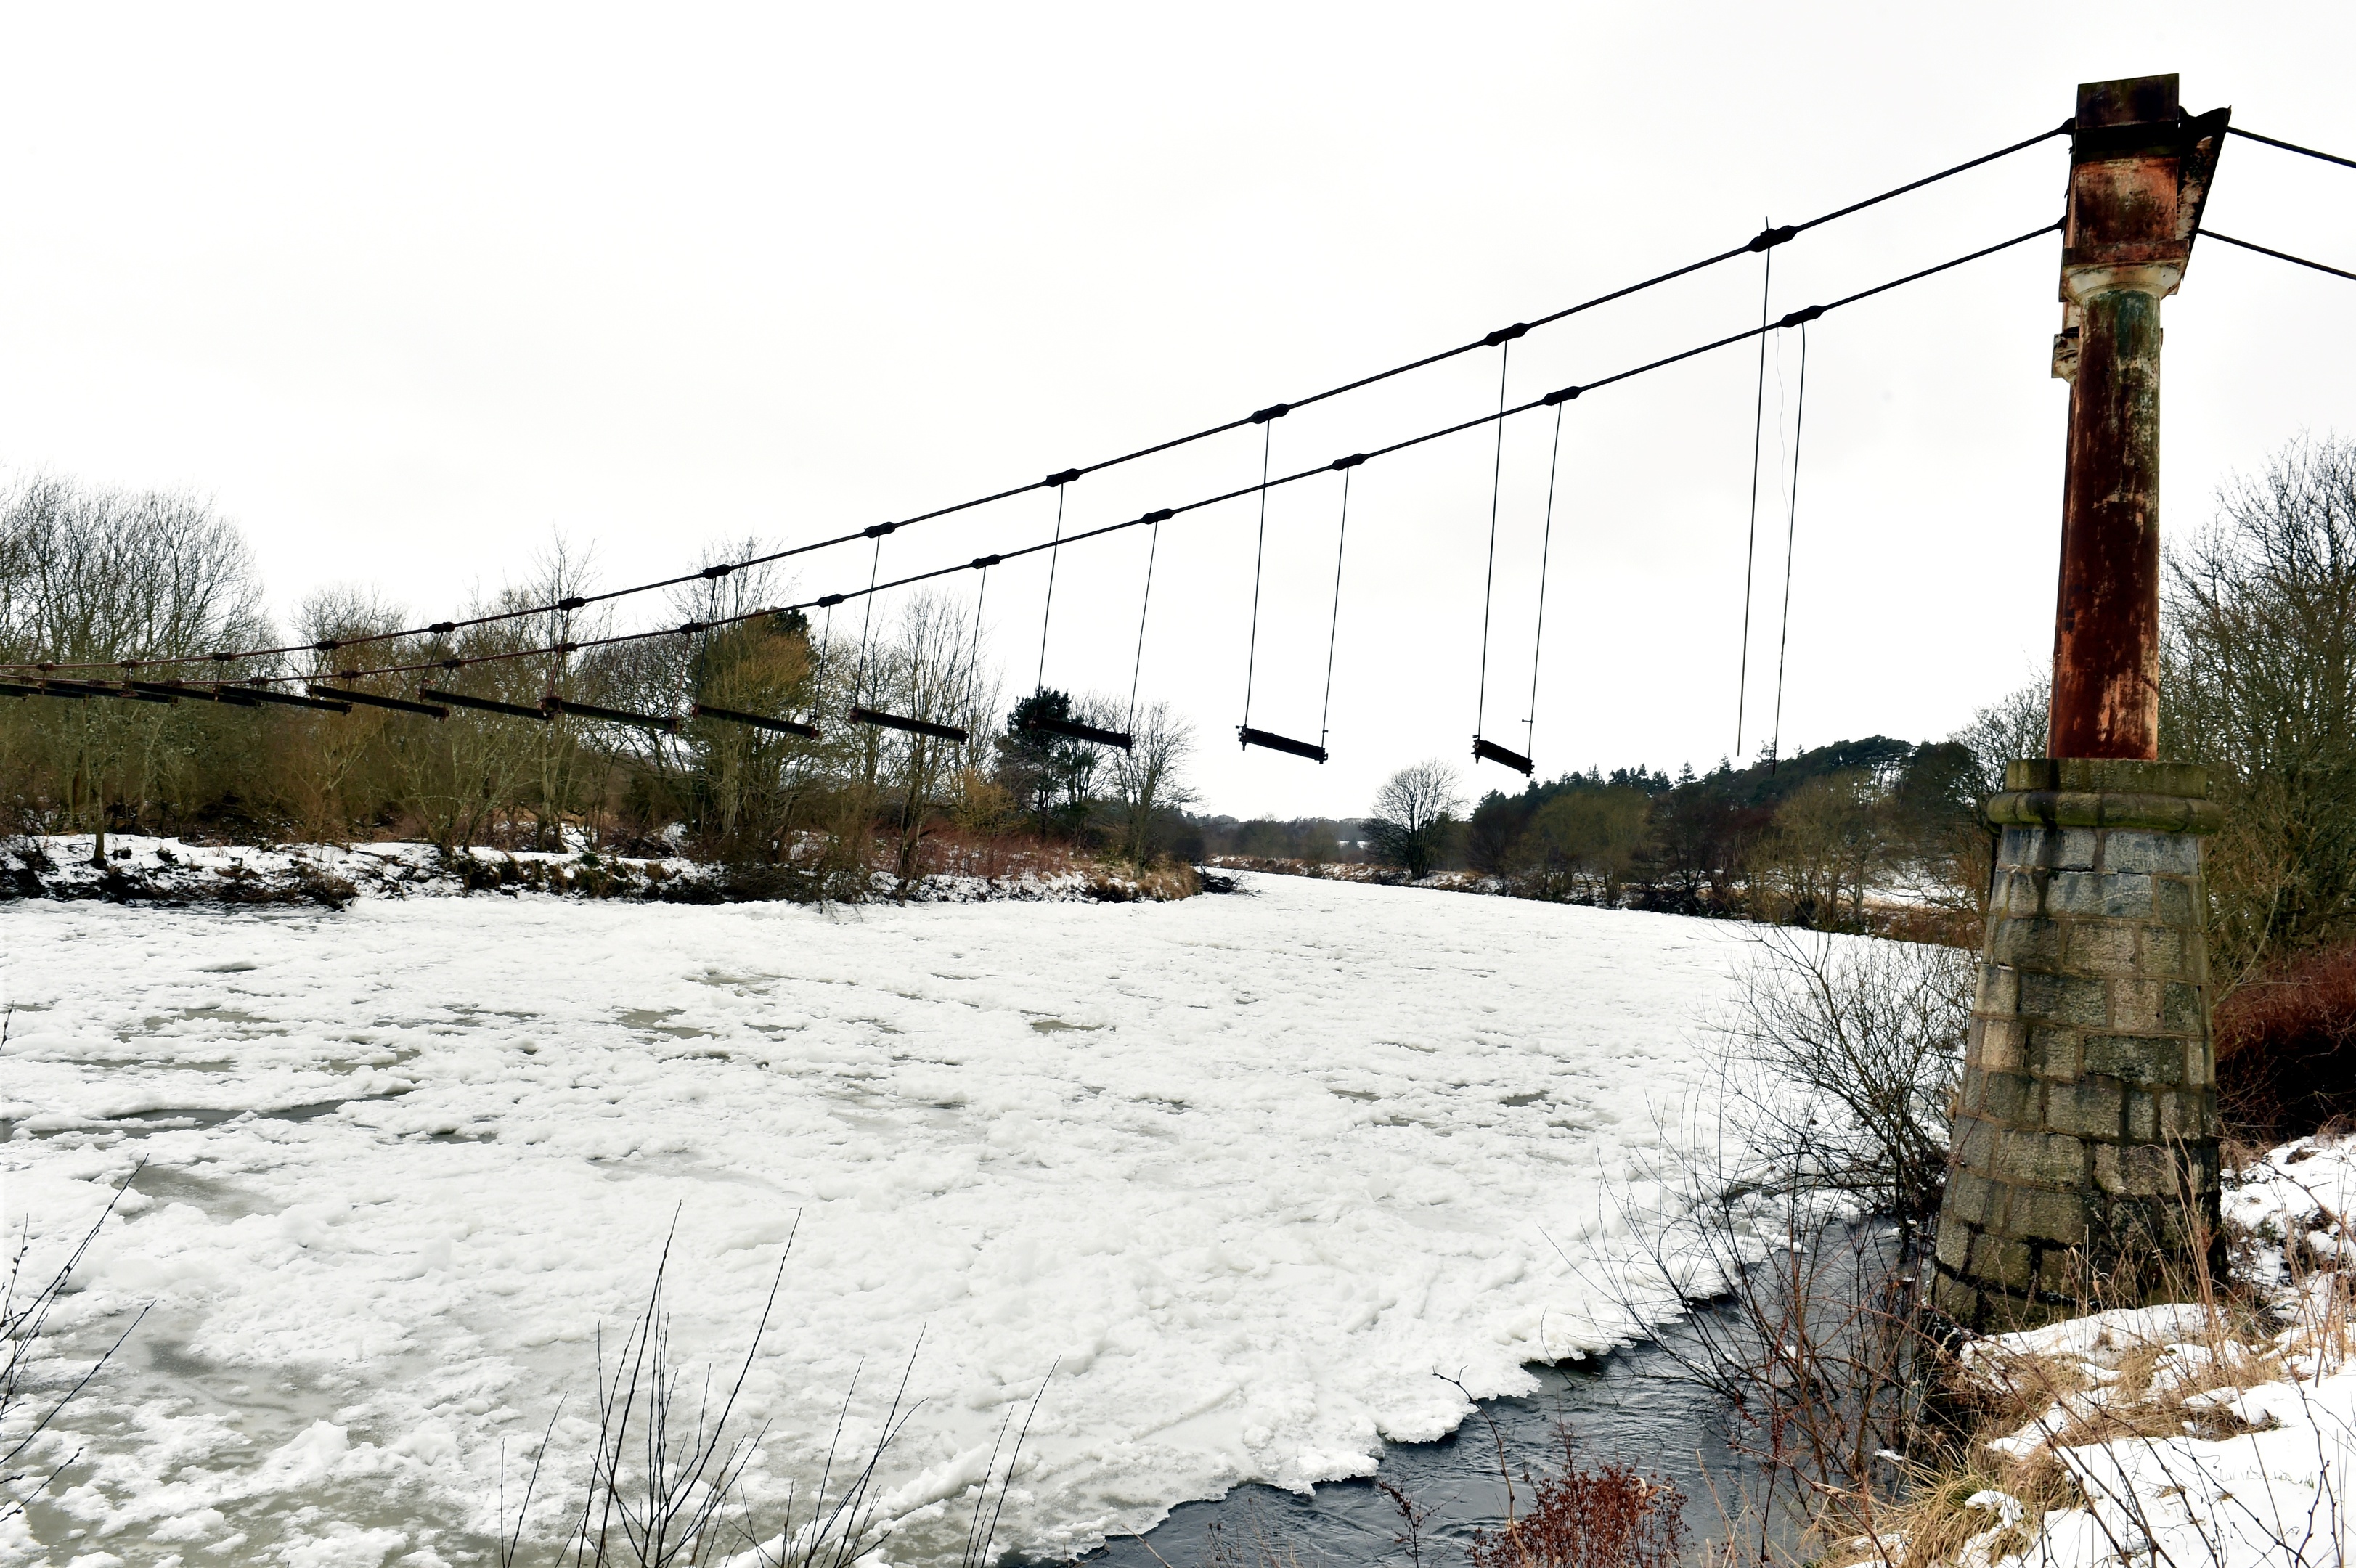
(1246,1171)
(2248,1464)
(146,869)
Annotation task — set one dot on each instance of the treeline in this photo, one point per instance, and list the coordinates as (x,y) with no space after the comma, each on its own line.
(92,576)
(2258,684)
(1801,840)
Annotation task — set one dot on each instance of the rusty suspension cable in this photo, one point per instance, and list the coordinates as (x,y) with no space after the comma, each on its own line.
(1765,239)
(1551,399)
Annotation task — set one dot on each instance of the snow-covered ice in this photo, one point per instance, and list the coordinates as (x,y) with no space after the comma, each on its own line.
(1247,1171)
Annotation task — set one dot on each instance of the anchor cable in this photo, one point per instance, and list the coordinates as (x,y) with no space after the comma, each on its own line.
(2278,255)
(2292,147)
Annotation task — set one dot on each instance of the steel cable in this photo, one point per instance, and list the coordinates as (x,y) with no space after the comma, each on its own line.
(1551,399)
(1764,240)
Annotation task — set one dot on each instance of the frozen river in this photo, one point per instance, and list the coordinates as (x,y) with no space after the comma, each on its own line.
(1245,1171)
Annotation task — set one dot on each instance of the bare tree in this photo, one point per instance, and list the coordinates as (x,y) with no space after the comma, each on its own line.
(1413,813)
(1148,777)
(2261,686)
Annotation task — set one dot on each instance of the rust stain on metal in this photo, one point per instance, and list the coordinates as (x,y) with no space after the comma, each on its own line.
(2139,172)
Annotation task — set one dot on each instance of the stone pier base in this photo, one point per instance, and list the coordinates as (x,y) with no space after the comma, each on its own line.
(2085,1148)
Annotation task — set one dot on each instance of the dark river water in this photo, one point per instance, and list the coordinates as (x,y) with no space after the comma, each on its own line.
(1630,1406)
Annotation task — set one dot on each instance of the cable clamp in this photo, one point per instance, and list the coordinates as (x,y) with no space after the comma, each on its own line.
(829,601)
(1273,412)
(565,648)
(1068,477)
(454,663)
(1560,395)
(324,646)
(723,569)
(689,628)
(1350,462)
(1504,335)
(1800,316)
(575,603)
(876,532)
(444,628)
(217,659)
(982,562)
(1768,238)
(1163,516)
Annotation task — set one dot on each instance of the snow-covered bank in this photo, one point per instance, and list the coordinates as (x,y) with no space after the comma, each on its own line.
(1247,1170)
(2188,1434)
(144,869)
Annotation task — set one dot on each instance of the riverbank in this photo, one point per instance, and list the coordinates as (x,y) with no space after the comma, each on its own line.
(170,871)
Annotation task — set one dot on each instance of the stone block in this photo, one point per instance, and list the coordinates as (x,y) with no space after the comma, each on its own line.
(2142,1115)
(2035,1215)
(2062,1271)
(2074,893)
(2183,1009)
(1955,1242)
(2020,847)
(2145,1170)
(2138,1007)
(2141,849)
(2162,952)
(2033,943)
(1996,1043)
(2007,1097)
(2101,950)
(2199,1064)
(2071,849)
(2172,901)
(2017,893)
(1998,993)
(2052,1159)
(1970,1199)
(2052,1053)
(2001,1262)
(2090,1109)
(2127,895)
(2080,999)
(1975,1144)
(2135,1058)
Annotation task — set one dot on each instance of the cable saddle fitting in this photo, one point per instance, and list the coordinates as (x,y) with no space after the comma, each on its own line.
(1068,477)
(982,562)
(723,569)
(874,531)
(1561,395)
(1799,317)
(1342,465)
(1163,516)
(1768,238)
(1273,412)
(1505,334)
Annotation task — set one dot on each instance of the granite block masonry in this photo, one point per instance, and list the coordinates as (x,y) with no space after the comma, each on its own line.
(2085,1141)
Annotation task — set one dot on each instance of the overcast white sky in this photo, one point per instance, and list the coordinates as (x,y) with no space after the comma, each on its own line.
(411,291)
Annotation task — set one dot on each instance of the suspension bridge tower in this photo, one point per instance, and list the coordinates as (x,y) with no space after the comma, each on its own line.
(2085,1148)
